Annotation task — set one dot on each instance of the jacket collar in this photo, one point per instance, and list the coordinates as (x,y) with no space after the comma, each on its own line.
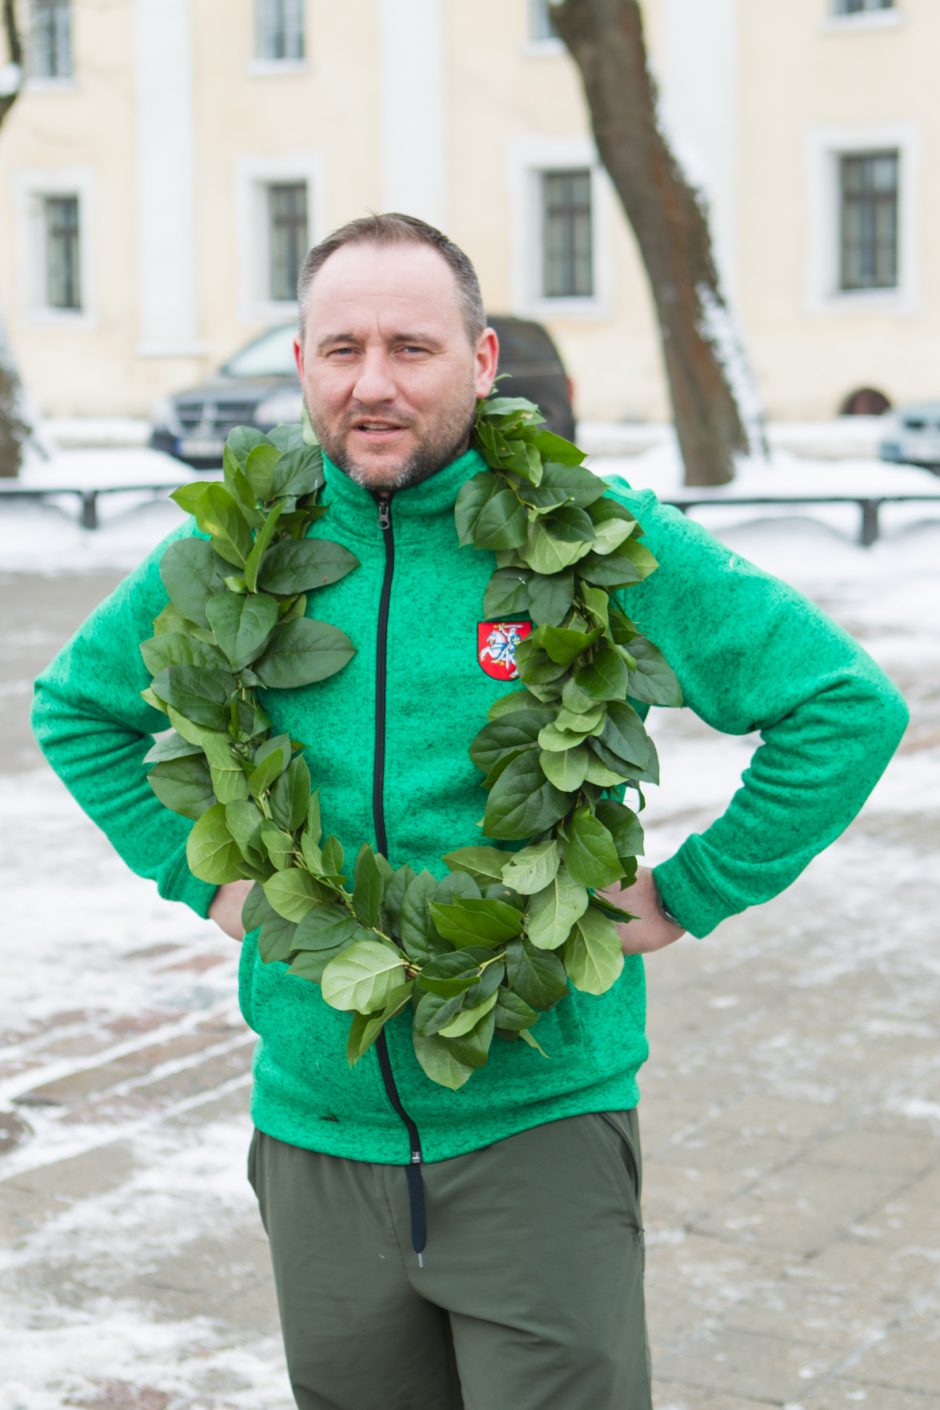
(355,508)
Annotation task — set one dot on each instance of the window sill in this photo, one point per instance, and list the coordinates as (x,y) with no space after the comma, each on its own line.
(42,84)
(60,318)
(545,309)
(279,68)
(862,301)
(867,19)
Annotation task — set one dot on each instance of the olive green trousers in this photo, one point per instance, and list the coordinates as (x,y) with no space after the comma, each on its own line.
(531,1292)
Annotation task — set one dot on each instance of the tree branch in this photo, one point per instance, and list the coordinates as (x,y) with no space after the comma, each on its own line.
(10,91)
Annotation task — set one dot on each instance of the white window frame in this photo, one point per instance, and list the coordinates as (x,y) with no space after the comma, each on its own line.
(534,46)
(261,65)
(31,190)
(529,158)
(42,82)
(254,175)
(825,148)
(834,22)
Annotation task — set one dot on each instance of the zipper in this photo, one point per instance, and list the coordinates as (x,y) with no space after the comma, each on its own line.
(413,1170)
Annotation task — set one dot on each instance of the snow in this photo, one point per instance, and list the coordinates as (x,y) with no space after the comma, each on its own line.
(11,77)
(95,944)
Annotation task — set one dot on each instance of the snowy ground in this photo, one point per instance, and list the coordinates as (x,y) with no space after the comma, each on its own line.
(791,1110)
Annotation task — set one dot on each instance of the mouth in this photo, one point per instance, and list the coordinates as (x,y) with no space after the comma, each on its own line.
(378,430)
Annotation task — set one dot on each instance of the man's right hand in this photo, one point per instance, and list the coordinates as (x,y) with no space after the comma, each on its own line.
(226,908)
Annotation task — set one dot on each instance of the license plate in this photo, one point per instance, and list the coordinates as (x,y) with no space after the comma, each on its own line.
(202,446)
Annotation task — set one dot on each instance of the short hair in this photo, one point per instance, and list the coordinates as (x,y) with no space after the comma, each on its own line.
(393,228)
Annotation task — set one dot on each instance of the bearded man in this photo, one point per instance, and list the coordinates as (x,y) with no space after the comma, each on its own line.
(511,1274)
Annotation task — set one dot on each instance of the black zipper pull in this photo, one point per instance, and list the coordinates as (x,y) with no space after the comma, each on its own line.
(385,513)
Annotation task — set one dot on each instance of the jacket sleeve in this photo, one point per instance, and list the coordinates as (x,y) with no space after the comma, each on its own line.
(95,729)
(752,654)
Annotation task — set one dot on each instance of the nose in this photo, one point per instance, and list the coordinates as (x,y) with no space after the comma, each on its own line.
(374,382)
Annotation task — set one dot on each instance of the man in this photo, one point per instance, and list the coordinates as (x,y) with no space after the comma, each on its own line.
(530,1289)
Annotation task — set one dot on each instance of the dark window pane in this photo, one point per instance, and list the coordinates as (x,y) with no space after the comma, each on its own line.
(567,245)
(287,237)
(51,38)
(869,220)
(541,25)
(858,7)
(280,29)
(63,275)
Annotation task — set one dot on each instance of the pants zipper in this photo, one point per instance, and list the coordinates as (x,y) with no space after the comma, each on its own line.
(413,1170)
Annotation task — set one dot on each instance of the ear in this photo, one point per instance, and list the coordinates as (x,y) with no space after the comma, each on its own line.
(486,358)
(299,358)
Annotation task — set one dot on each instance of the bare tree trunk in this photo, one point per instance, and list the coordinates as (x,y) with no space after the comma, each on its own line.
(704,361)
(13,428)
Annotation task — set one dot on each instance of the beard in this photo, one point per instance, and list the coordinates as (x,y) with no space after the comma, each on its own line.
(446,438)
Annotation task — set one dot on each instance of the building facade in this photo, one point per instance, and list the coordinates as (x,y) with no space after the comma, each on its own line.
(169,162)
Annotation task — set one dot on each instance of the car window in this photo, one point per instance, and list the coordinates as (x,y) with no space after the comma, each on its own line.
(271,355)
(520,341)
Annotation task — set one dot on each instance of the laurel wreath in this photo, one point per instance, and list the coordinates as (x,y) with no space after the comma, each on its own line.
(488,948)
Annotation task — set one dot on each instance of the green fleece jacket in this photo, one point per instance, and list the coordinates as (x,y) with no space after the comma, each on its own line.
(750,654)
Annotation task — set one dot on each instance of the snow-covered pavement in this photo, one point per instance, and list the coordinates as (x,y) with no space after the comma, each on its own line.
(791,1107)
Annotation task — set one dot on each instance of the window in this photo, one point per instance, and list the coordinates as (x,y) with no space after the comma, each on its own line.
(868,187)
(63,285)
(860,7)
(567,235)
(287,237)
(50,39)
(280,29)
(541,24)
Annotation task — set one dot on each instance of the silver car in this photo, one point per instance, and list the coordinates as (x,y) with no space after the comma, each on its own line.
(913,436)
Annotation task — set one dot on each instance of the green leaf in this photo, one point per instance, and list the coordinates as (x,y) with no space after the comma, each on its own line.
(586,723)
(328,927)
(333,857)
(566,770)
(291,794)
(453,972)
(298,472)
(532,868)
(192,572)
(537,976)
(244,821)
(592,956)
(554,910)
(259,547)
(482,863)
(236,482)
(623,825)
(603,776)
(200,693)
(310,964)
(438,1062)
(211,852)
(362,976)
(260,460)
(500,523)
(170,746)
(522,801)
(591,856)
(278,844)
(511,704)
(294,892)
(242,625)
(367,892)
(183,785)
(218,514)
(415,920)
(604,678)
(625,736)
(468,1018)
(393,898)
(256,910)
(546,552)
(178,649)
(557,741)
(242,440)
(312,855)
(188,497)
(508,735)
(276,940)
(550,599)
(365,1028)
(536,668)
(473,1047)
(563,644)
(580,486)
(471,922)
(226,769)
(471,500)
(305,564)
(653,681)
(302,652)
(506,593)
(630,563)
(512,1013)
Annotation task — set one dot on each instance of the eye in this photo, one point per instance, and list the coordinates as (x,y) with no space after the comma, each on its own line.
(413,349)
(340,352)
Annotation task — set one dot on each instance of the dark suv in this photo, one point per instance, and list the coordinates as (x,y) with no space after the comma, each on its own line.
(258,387)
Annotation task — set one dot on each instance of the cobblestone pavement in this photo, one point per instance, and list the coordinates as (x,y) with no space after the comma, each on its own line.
(790,1120)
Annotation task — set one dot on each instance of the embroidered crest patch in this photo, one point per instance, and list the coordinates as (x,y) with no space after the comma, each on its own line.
(496,647)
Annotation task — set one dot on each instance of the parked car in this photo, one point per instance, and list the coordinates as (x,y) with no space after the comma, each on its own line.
(913,437)
(258,387)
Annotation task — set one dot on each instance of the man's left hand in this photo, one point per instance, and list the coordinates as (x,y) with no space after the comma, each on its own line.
(226,907)
(651,930)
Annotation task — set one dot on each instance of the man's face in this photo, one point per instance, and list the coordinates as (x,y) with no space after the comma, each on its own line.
(389,376)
